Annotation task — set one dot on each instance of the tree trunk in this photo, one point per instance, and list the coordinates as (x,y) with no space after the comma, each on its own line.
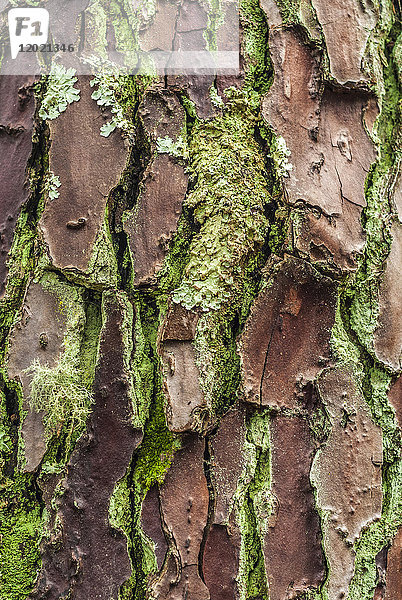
(201,322)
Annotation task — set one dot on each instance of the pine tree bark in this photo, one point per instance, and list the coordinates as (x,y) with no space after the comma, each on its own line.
(201,324)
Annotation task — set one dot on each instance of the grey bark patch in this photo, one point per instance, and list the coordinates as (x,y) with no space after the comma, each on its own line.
(196,88)
(162,114)
(152,225)
(293,555)
(152,525)
(346,25)
(181,377)
(329,241)
(285,342)
(16,127)
(41,314)
(221,563)
(180,323)
(272,12)
(227,461)
(184,501)
(347,475)
(160,33)
(66,28)
(192,17)
(388,335)
(89,166)
(331,152)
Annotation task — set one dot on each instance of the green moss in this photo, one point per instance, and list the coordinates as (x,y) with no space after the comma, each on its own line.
(342,342)
(290,11)
(258,68)
(364,307)
(127,20)
(302,14)
(216,19)
(178,256)
(259,488)
(218,364)
(253,581)
(254,505)
(20,532)
(89,348)
(125,24)
(143,360)
(121,517)
(363,294)
(142,552)
(155,453)
(96,29)
(376,49)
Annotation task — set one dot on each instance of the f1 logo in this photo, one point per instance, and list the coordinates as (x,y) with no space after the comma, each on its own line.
(27,26)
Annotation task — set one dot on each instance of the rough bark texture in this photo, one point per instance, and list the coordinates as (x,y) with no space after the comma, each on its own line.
(200,319)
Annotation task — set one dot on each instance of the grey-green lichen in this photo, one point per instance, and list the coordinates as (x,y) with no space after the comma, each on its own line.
(51,187)
(58,392)
(176,148)
(227,201)
(106,94)
(60,92)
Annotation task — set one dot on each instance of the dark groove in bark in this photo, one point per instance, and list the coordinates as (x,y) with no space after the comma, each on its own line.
(211,506)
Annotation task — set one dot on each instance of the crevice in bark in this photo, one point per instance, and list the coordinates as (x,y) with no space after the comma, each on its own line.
(124,197)
(12,405)
(211,507)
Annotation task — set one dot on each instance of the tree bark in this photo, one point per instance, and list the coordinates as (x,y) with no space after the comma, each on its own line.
(201,324)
